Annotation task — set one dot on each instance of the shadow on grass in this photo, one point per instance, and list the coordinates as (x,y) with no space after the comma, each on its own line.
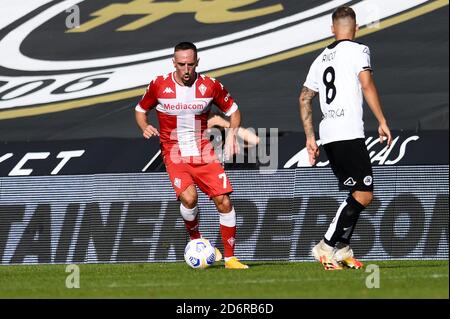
(399,264)
(253,264)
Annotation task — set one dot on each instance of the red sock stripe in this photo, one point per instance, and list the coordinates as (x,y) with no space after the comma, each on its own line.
(228,236)
(192,228)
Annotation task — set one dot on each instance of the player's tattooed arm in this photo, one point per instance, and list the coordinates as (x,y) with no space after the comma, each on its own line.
(305,100)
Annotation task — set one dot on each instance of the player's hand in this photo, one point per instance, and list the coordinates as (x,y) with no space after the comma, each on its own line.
(217,120)
(150,131)
(385,133)
(313,151)
(231,144)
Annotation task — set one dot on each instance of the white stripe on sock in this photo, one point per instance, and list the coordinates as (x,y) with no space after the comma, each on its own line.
(188,214)
(228,219)
(332,227)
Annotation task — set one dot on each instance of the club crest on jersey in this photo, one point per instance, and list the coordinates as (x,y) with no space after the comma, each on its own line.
(367,180)
(202,88)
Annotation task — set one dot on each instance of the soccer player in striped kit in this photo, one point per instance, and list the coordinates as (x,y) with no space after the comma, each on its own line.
(341,75)
(183,100)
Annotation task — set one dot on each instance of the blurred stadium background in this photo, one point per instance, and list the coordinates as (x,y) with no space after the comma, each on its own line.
(78,183)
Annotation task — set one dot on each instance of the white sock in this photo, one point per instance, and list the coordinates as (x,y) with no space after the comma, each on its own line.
(228,219)
(188,214)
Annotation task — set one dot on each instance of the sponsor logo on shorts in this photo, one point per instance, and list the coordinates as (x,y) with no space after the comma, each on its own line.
(177,182)
(367,180)
(350,182)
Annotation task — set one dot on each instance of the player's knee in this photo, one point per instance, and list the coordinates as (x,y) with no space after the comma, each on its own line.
(223,203)
(364,198)
(368,197)
(189,200)
(189,197)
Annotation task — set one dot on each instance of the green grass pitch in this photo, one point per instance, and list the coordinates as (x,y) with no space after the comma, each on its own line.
(275,280)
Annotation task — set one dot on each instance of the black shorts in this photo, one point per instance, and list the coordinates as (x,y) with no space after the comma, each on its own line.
(350,163)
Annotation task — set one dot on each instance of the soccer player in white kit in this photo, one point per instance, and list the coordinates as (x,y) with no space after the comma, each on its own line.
(341,74)
(183,101)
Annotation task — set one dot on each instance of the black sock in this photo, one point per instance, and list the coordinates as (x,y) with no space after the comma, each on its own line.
(341,230)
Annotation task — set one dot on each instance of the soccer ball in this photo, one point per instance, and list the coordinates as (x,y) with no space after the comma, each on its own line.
(199,253)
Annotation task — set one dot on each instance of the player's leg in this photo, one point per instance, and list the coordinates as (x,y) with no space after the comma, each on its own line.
(228,230)
(343,223)
(341,230)
(362,192)
(189,211)
(213,181)
(344,253)
(183,185)
(364,198)
(227,222)
(354,173)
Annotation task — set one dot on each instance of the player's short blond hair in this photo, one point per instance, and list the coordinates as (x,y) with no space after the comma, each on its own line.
(343,12)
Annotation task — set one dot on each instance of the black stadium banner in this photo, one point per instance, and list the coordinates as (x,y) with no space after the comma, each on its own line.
(109,200)
(276,150)
(134,217)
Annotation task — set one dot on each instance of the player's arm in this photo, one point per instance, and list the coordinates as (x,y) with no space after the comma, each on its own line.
(235,119)
(226,104)
(147,102)
(231,145)
(371,95)
(246,135)
(305,101)
(147,129)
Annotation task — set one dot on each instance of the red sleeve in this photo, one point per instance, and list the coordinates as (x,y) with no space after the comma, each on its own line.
(222,98)
(149,100)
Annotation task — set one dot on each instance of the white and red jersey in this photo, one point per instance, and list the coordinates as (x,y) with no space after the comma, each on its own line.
(183,111)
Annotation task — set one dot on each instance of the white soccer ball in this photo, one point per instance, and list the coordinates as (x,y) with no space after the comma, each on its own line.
(199,253)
